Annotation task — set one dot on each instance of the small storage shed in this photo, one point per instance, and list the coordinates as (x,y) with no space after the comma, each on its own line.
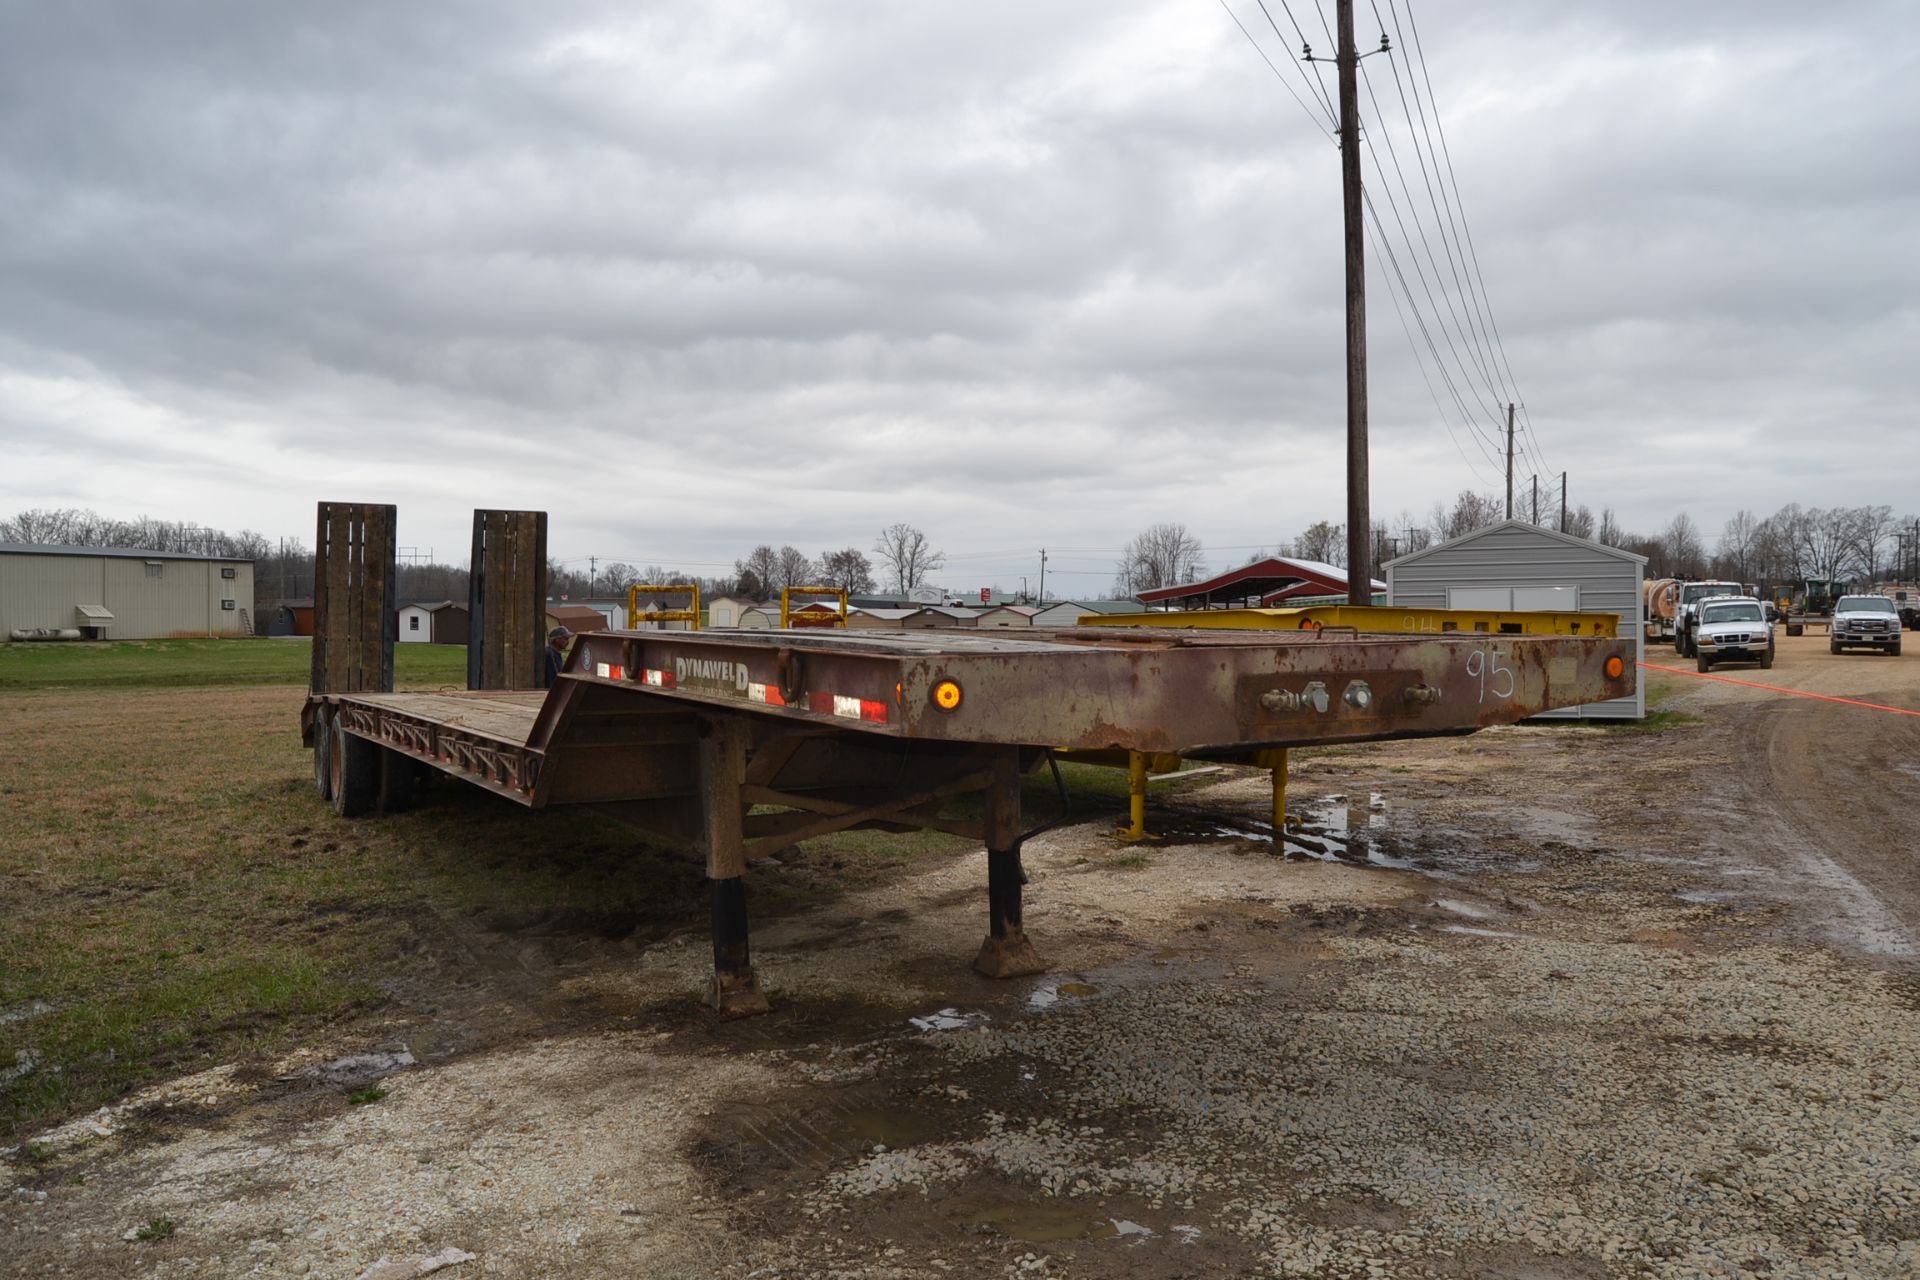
(1067,613)
(1008,615)
(433,622)
(1524,567)
(725,611)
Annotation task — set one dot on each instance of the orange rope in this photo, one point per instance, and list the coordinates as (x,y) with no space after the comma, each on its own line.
(1774,688)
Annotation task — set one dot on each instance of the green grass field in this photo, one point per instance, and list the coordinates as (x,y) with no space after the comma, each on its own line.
(152,664)
(176,896)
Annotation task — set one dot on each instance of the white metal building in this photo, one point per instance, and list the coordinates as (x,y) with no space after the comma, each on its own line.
(112,593)
(1523,567)
(1067,613)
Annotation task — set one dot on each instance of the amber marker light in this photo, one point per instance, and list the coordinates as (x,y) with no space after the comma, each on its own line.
(1615,668)
(946,695)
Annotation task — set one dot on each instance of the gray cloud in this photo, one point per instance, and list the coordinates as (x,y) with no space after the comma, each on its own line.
(692,278)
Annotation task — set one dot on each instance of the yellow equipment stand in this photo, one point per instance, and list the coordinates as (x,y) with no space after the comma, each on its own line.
(690,616)
(786,604)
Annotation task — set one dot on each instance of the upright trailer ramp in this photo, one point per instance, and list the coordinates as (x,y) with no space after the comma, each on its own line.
(736,743)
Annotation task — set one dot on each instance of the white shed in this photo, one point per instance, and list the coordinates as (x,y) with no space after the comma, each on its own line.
(724,612)
(1528,568)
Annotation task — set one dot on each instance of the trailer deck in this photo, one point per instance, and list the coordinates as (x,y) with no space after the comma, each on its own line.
(738,743)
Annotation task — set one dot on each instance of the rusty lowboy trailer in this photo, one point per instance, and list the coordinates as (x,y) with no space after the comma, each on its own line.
(737,743)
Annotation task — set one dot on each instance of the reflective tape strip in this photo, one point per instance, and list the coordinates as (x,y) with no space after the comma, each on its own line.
(839,704)
(765,694)
(657,678)
(610,671)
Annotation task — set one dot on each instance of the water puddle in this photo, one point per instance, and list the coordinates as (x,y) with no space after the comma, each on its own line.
(883,1127)
(950,1019)
(1471,910)
(1044,1223)
(1048,994)
(1331,829)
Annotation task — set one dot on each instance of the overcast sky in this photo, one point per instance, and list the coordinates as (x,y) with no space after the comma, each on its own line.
(692,277)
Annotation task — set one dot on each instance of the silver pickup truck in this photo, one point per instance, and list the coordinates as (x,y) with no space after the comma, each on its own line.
(1732,629)
(1865,621)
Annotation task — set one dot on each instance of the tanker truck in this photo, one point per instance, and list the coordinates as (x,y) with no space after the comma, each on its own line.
(1659,606)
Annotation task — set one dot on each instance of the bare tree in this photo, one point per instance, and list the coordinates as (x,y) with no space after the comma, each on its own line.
(1682,551)
(1609,531)
(1870,527)
(1162,555)
(1322,541)
(1737,538)
(1470,511)
(758,571)
(792,568)
(846,568)
(907,556)
(1580,522)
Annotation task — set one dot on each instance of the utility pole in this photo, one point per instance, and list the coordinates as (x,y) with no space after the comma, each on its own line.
(1536,498)
(1359,521)
(1509,460)
(1043,575)
(1563,502)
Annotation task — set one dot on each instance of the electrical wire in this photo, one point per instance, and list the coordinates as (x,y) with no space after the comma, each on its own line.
(1463,232)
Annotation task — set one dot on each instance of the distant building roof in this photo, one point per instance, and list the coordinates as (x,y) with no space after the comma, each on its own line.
(1024,610)
(1274,578)
(129,553)
(430,606)
(1101,606)
(575,617)
(890,615)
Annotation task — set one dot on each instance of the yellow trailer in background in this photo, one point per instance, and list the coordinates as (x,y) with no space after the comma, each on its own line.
(1377,619)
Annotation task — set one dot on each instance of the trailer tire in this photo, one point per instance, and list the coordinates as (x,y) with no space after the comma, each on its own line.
(356,773)
(1794,628)
(323,754)
(397,776)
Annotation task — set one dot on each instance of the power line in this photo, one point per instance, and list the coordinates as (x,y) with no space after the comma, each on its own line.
(1466,376)
(1271,67)
(1333,115)
(1463,234)
(1422,366)
(1479,439)
(1393,261)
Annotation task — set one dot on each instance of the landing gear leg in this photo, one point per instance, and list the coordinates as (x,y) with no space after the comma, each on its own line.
(1005,953)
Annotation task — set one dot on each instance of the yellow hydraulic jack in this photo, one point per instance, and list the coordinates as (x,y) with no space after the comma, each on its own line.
(1274,760)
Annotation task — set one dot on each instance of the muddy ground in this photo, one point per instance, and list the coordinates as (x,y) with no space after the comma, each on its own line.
(1552,1002)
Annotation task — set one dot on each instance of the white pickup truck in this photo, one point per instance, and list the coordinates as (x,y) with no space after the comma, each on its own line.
(1732,629)
(1686,613)
(1865,621)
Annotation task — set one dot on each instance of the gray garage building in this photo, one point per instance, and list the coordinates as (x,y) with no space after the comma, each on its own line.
(1525,567)
(111,593)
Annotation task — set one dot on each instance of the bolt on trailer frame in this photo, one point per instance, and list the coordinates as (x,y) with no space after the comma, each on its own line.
(739,743)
